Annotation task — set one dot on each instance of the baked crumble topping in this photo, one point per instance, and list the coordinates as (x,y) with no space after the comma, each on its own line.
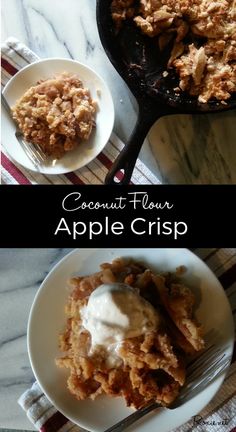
(148,367)
(204,40)
(57,114)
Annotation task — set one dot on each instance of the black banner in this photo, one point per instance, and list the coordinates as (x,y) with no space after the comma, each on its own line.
(118,216)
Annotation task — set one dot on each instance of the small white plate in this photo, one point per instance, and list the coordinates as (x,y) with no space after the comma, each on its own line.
(47,320)
(88,150)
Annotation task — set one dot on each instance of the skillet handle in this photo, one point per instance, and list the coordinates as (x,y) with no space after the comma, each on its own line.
(127,158)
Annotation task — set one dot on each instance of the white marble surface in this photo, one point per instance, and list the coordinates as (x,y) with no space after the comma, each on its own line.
(180,149)
(21,273)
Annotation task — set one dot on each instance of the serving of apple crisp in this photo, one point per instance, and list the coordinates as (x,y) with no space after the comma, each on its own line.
(203,35)
(129,333)
(57,114)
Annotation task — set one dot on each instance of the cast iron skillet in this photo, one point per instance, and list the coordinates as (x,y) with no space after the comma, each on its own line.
(137,59)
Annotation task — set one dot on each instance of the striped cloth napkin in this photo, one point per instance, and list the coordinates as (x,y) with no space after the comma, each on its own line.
(15,56)
(218,416)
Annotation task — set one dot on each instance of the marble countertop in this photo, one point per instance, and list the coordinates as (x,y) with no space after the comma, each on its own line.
(179,149)
(21,273)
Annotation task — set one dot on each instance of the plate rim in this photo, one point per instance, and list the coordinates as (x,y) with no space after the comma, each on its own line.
(75,251)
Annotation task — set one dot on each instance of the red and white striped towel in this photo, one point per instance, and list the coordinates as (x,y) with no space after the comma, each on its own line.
(222,407)
(15,56)
(42,413)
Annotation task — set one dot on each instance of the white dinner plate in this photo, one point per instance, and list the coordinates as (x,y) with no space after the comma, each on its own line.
(47,320)
(87,150)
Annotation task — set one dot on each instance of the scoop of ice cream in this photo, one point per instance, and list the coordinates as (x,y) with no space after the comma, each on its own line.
(116,312)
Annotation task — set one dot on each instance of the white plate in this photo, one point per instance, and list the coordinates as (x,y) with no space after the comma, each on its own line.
(47,320)
(88,150)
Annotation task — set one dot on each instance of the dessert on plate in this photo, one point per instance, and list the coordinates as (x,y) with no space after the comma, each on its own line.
(129,333)
(57,114)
